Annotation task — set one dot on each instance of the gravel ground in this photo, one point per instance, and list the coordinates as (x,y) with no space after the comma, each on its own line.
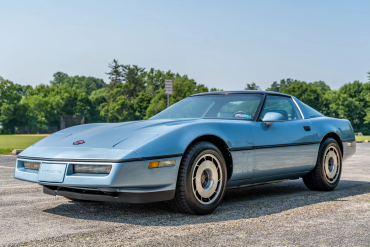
(281,214)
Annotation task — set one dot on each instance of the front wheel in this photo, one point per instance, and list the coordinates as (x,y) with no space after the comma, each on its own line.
(201,180)
(326,174)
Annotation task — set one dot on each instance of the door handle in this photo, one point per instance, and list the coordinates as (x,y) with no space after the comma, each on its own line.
(307,128)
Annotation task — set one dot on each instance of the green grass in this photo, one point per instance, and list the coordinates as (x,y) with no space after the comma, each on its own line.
(17,142)
(362,138)
(5,151)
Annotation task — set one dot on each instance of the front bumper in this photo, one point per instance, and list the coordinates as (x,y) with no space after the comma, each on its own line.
(91,195)
(127,182)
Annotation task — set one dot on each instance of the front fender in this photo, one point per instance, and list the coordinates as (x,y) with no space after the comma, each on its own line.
(235,133)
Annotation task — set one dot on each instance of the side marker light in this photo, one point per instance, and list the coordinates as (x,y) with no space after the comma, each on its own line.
(163,163)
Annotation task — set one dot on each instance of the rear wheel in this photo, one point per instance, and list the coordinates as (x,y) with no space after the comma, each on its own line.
(326,174)
(201,180)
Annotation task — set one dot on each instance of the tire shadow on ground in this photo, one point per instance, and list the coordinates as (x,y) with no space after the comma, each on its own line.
(242,203)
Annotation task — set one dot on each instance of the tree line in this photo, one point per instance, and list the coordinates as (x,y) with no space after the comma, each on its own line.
(134,93)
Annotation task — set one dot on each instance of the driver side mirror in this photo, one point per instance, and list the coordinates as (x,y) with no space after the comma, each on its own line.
(272,117)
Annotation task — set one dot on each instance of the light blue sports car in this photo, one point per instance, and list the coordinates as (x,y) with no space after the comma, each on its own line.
(189,153)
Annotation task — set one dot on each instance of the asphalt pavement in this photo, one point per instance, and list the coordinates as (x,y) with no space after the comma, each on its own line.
(280,214)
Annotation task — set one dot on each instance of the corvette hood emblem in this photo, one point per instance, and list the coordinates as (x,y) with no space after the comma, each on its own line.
(78,142)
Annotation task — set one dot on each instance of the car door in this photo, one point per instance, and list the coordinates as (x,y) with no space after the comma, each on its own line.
(239,111)
(284,147)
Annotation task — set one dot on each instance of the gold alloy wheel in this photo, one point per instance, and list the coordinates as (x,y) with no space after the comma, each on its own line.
(331,163)
(207,179)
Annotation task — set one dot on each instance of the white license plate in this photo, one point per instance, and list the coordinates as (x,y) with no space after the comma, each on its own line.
(52,172)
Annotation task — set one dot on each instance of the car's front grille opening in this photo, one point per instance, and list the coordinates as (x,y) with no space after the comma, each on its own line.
(87,191)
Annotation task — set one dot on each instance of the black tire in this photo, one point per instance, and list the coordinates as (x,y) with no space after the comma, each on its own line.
(186,199)
(320,177)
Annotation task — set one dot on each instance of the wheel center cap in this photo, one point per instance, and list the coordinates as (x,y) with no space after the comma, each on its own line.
(331,164)
(204,179)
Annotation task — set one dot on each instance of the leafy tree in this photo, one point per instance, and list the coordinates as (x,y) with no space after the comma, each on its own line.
(157,104)
(307,93)
(367,116)
(352,103)
(127,86)
(141,104)
(280,87)
(42,112)
(59,78)
(321,84)
(98,97)
(45,104)
(81,83)
(85,84)
(83,106)
(134,94)
(10,109)
(115,75)
(367,98)
(328,98)
(252,86)
(155,80)
(275,87)
(348,108)
(133,78)
(8,93)
(23,89)
(118,108)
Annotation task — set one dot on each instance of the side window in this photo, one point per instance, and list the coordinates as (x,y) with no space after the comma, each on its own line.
(313,113)
(283,105)
(240,109)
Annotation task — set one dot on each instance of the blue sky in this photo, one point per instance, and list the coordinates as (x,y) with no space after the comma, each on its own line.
(223,44)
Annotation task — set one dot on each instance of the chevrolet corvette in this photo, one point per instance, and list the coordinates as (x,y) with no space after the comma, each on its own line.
(189,153)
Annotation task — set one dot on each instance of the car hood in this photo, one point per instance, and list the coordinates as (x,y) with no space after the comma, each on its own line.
(103,141)
(126,135)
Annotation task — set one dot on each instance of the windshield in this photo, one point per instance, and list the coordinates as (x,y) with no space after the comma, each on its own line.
(235,106)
